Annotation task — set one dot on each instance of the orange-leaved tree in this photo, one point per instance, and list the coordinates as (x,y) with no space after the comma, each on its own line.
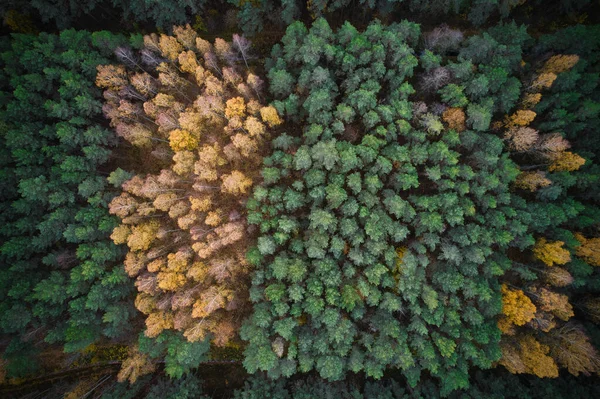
(194,109)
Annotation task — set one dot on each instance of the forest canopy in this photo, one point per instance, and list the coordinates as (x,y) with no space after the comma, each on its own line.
(299,199)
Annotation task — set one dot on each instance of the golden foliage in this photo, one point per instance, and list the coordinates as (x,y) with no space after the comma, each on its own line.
(530,100)
(135,366)
(589,249)
(164,201)
(134,263)
(181,140)
(186,35)
(555,303)
(270,117)
(210,301)
(566,161)
(244,144)
(185,226)
(188,61)
(235,107)
(527,355)
(111,76)
(142,236)
(236,183)
(213,218)
(184,162)
(455,118)
(560,63)
(157,322)
(170,47)
(170,280)
(191,121)
(200,204)
(522,117)
(532,181)
(551,253)
(120,234)
(517,309)
(254,127)
(543,81)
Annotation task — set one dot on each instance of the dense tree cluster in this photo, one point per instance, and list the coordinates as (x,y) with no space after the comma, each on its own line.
(484,385)
(60,278)
(196,108)
(66,13)
(373,212)
(378,223)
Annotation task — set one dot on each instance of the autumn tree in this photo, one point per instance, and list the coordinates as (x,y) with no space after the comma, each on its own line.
(551,253)
(517,309)
(589,249)
(184,225)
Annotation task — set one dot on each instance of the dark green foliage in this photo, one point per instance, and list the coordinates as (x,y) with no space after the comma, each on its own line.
(60,276)
(67,13)
(183,388)
(375,173)
(187,387)
(495,55)
(180,355)
(254,16)
(485,385)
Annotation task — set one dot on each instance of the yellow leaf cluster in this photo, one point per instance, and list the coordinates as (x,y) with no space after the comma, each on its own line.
(528,356)
(142,236)
(191,121)
(158,322)
(181,140)
(522,117)
(555,303)
(120,234)
(566,161)
(530,100)
(270,117)
(200,204)
(560,63)
(254,127)
(517,308)
(169,47)
(170,280)
(236,183)
(213,218)
(135,366)
(551,253)
(589,250)
(111,76)
(183,162)
(532,181)
(186,235)
(188,61)
(544,80)
(235,107)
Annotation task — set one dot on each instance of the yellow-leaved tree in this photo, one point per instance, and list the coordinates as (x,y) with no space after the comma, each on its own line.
(193,108)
